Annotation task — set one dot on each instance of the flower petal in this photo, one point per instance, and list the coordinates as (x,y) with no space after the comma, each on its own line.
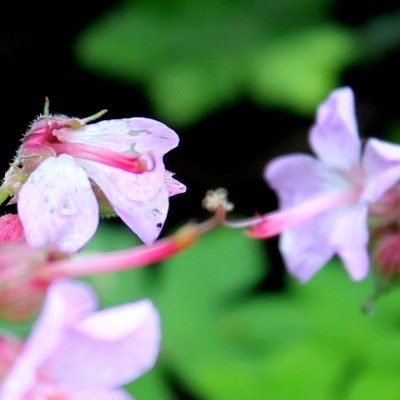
(381,162)
(143,135)
(307,248)
(349,236)
(138,187)
(300,177)
(109,348)
(334,137)
(57,206)
(143,214)
(66,302)
(98,394)
(174,187)
(153,136)
(145,218)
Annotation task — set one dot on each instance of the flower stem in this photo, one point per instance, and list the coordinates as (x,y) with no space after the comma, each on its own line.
(4,194)
(132,258)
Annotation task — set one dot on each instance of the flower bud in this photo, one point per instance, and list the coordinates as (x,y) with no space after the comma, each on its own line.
(21,293)
(387,255)
(11,228)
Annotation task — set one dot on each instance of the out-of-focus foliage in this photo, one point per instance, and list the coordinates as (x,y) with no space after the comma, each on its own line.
(222,341)
(191,57)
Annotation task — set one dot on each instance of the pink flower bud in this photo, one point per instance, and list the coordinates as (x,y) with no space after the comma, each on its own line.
(21,293)
(11,228)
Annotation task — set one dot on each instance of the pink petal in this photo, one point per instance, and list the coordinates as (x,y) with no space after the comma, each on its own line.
(125,135)
(174,187)
(334,137)
(98,394)
(343,231)
(57,206)
(145,218)
(138,187)
(65,303)
(153,136)
(299,177)
(381,162)
(109,348)
(143,214)
(349,236)
(307,248)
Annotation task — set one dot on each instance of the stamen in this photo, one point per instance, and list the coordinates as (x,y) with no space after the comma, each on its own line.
(215,199)
(94,116)
(46,108)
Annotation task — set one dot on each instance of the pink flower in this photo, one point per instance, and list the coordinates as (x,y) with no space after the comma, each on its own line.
(325,199)
(74,352)
(77,171)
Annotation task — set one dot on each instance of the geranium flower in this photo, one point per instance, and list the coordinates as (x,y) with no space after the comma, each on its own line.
(75,170)
(325,199)
(75,352)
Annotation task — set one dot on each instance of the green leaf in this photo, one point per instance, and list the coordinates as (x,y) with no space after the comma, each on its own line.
(192,57)
(298,70)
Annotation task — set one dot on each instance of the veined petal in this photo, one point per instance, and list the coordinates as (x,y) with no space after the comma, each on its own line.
(381,162)
(110,348)
(334,137)
(57,205)
(129,135)
(300,177)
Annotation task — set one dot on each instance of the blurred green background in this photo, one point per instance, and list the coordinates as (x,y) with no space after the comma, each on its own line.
(239,81)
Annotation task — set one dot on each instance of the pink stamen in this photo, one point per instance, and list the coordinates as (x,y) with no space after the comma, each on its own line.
(122,161)
(272,224)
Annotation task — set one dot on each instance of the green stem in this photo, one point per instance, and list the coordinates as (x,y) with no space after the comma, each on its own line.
(4,194)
